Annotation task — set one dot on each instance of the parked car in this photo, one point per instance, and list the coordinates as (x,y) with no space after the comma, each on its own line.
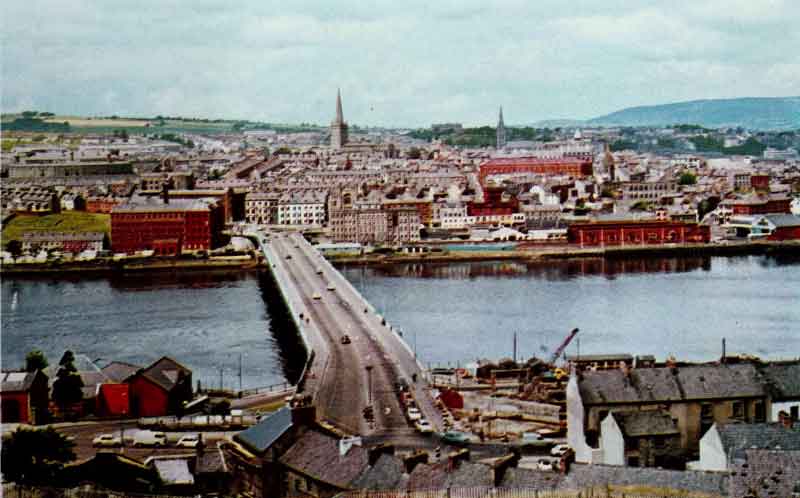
(150,438)
(455,438)
(424,426)
(414,414)
(188,441)
(107,440)
(559,450)
(345,339)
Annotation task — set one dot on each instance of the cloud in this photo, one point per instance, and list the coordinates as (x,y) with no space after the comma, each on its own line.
(398,63)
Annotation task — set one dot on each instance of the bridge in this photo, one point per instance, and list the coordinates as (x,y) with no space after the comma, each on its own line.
(343,379)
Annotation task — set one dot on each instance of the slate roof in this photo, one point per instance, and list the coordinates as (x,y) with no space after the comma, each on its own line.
(428,476)
(165,372)
(173,471)
(17,381)
(118,371)
(784,379)
(388,473)
(764,436)
(212,461)
(583,476)
(783,220)
(767,473)
(317,455)
(262,435)
(469,474)
(645,423)
(693,382)
(531,478)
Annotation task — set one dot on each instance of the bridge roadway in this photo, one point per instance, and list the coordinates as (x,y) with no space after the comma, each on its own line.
(337,378)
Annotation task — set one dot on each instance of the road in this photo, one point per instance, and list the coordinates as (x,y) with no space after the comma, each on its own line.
(345,386)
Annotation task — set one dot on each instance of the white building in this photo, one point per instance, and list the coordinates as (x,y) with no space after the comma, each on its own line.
(302,208)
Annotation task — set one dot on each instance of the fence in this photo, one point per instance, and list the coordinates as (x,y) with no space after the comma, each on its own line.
(486,492)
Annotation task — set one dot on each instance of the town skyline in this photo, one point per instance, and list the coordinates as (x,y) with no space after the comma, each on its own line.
(396,67)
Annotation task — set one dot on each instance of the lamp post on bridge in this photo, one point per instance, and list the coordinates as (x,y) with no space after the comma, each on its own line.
(368,368)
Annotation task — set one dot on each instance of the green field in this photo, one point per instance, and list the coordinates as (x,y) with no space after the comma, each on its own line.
(68,221)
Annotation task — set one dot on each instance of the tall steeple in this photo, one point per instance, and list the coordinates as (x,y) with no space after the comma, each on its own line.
(338,126)
(339,113)
(501,131)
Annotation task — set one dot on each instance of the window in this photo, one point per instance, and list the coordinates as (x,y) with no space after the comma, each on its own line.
(738,409)
(761,412)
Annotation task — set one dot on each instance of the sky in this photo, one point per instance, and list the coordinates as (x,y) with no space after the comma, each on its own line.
(399,64)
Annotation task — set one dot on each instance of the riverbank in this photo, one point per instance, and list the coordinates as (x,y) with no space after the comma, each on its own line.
(108,266)
(569,252)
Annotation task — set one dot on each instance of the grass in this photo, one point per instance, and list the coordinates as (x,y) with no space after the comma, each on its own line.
(68,221)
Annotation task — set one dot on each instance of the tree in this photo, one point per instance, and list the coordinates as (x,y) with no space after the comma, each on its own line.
(35,360)
(687,178)
(14,246)
(35,455)
(413,153)
(68,384)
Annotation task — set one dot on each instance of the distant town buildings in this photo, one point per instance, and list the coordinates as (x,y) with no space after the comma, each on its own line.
(338,126)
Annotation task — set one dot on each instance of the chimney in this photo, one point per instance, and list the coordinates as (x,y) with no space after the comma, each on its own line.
(415,459)
(502,464)
(375,453)
(165,193)
(455,458)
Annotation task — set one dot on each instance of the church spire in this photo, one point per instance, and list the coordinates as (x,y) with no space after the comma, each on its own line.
(339,113)
(501,130)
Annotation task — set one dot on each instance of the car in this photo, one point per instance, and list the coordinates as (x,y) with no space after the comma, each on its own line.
(414,414)
(149,438)
(544,464)
(188,441)
(331,287)
(559,450)
(345,339)
(455,438)
(316,296)
(107,440)
(319,270)
(424,426)
(288,256)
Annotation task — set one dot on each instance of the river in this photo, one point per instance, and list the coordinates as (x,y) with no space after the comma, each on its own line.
(448,312)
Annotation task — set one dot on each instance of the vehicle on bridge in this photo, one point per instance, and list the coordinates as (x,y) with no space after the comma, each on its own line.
(319,270)
(316,296)
(149,438)
(455,438)
(331,287)
(345,339)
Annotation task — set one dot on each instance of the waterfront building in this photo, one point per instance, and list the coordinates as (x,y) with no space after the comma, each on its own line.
(160,389)
(167,227)
(776,227)
(501,131)
(759,204)
(338,126)
(24,397)
(261,208)
(564,166)
(636,232)
(302,208)
(74,242)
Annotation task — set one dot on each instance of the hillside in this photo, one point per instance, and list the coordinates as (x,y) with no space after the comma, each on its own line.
(774,113)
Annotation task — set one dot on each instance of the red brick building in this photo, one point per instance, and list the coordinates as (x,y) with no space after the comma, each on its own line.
(167,227)
(760,182)
(160,389)
(24,397)
(760,205)
(102,205)
(626,233)
(493,203)
(565,166)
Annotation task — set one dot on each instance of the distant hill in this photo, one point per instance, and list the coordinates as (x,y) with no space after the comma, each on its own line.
(767,113)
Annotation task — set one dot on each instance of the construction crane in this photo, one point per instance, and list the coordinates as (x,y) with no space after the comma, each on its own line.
(564,345)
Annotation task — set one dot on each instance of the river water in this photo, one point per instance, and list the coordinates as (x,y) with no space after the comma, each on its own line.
(448,312)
